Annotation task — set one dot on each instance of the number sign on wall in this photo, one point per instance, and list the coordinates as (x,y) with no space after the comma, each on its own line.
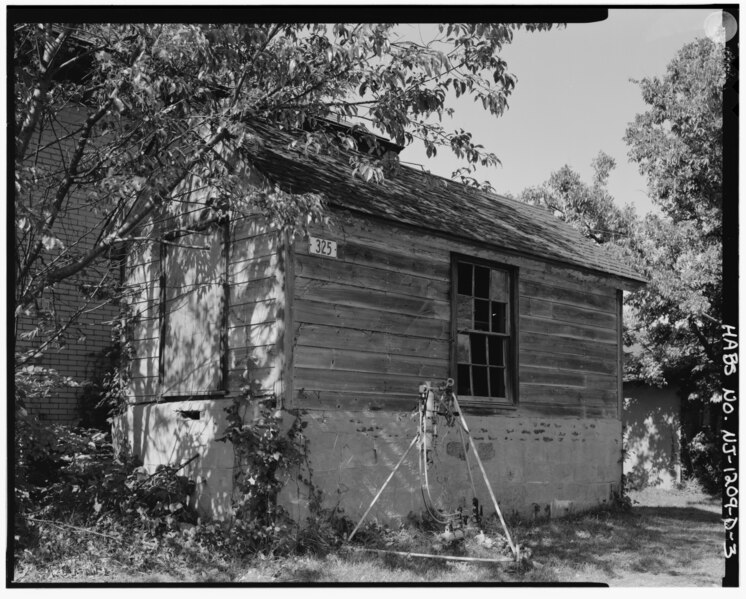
(322,247)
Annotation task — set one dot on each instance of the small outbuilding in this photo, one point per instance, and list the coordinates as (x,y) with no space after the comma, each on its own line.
(652,419)
(412,279)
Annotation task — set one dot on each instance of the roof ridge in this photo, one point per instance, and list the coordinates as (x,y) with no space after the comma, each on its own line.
(439,204)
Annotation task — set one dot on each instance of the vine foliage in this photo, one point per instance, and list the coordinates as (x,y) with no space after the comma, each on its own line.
(264,456)
(268,455)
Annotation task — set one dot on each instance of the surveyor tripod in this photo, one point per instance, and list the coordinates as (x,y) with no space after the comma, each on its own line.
(436,404)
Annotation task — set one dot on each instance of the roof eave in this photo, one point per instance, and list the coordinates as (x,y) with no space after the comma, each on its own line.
(617,280)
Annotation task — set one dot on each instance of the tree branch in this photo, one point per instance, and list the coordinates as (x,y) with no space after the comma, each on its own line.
(706,345)
(70,526)
(67,182)
(133,220)
(249,63)
(70,320)
(39,95)
(71,173)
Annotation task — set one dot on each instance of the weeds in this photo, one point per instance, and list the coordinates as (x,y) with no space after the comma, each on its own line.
(78,501)
(84,513)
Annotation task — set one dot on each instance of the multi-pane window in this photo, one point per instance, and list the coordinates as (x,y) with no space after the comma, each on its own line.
(484,322)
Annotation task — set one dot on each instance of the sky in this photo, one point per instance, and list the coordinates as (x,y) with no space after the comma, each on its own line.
(573,98)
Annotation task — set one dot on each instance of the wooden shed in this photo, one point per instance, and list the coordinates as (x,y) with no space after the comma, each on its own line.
(413,279)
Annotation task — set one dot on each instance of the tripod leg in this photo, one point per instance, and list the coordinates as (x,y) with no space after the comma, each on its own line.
(372,503)
(487,482)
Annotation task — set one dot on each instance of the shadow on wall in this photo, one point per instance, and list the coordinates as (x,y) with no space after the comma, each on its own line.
(168,423)
(652,436)
(172,433)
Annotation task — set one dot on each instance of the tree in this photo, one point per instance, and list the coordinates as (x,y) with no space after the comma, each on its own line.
(674,322)
(678,141)
(678,145)
(589,208)
(157,104)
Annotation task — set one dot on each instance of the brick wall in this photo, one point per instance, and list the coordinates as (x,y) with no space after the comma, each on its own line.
(78,354)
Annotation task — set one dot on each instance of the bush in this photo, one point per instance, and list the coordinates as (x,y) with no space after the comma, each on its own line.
(704,454)
(71,482)
(73,475)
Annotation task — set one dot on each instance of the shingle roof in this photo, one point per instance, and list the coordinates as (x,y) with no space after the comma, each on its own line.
(416,198)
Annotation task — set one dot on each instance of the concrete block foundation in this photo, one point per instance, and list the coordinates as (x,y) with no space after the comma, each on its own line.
(172,433)
(537,466)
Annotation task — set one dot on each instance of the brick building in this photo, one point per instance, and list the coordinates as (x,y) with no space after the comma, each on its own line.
(80,352)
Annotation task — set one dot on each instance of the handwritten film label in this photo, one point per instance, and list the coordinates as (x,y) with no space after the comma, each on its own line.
(730,443)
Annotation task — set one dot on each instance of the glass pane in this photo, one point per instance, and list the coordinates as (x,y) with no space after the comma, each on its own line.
(464,381)
(497,351)
(479,373)
(478,349)
(463,350)
(497,382)
(499,285)
(464,312)
(498,317)
(481,282)
(464,278)
(481,315)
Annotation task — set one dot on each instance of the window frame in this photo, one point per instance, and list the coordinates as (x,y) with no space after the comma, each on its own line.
(511,365)
(221,389)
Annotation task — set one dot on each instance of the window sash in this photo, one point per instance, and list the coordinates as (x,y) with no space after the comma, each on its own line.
(484,327)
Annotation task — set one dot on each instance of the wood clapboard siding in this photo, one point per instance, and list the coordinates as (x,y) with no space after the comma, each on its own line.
(369,319)
(412,262)
(531,305)
(362,361)
(255,296)
(345,380)
(252,313)
(245,271)
(261,380)
(573,297)
(590,364)
(360,297)
(355,400)
(536,324)
(531,342)
(255,305)
(374,323)
(142,284)
(334,337)
(372,278)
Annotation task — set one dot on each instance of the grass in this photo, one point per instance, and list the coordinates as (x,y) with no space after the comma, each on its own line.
(669,538)
(655,544)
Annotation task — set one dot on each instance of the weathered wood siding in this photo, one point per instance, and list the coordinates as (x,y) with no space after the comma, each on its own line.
(142,280)
(256,307)
(374,323)
(195,301)
(253,324)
